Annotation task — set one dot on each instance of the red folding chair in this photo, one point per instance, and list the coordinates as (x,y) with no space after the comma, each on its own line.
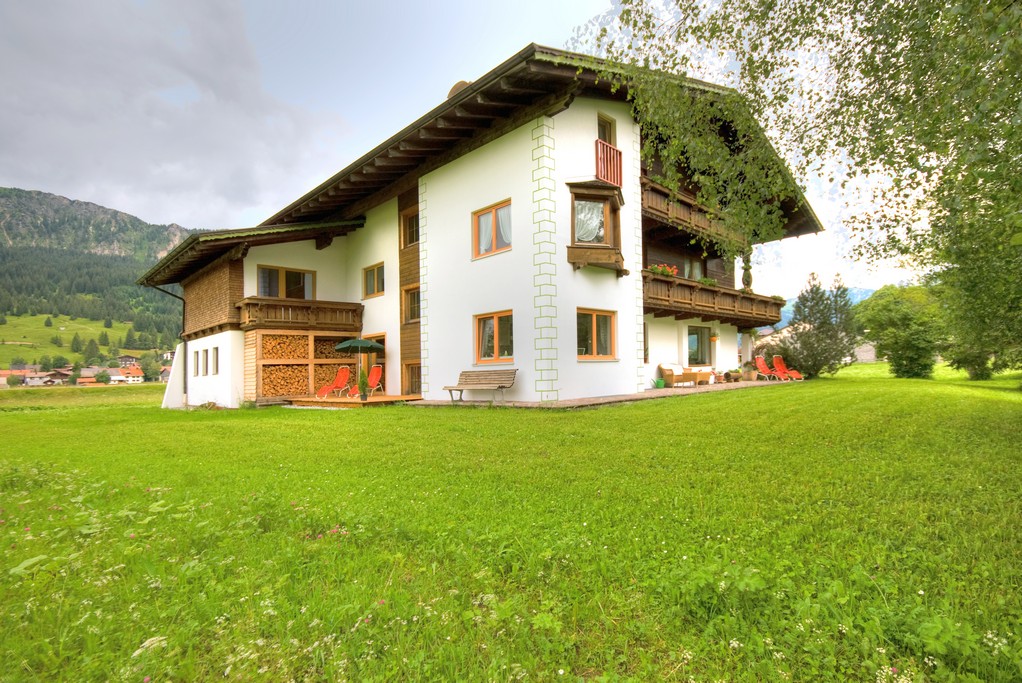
(781,366)
(339,384)
(375,377)
(763,369)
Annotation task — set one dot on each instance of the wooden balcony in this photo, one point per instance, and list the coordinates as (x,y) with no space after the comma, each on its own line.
(681,211)
(608,163)
(664,295)
(299,314)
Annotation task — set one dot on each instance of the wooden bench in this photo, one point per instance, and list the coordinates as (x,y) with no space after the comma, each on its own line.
(494,380)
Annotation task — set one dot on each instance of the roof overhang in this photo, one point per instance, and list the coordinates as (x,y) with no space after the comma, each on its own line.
(537,81)
(202,248)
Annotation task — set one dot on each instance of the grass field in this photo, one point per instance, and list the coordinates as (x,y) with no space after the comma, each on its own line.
(860,528)
(27,336)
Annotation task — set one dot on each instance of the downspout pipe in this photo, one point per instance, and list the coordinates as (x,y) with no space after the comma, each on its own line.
(184,342)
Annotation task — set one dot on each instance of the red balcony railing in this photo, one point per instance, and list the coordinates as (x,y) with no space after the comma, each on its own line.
(608,163)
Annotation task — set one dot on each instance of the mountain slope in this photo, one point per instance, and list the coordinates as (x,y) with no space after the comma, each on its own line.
(30,218)
(74,258)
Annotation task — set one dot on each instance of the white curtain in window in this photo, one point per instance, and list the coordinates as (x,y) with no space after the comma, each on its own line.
(588,221)
(486,338)
(504,226)
(603,335)
(485,232)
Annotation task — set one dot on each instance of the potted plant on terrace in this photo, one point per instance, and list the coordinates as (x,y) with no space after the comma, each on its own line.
(363,385)
(749,371)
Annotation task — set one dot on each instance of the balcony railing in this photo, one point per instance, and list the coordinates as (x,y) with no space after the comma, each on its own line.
(608,163)
(299,314)
(664,295)
(681,211)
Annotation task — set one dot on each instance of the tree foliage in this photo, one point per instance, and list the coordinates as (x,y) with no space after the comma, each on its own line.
(821,337)
(922,99)
(904,324)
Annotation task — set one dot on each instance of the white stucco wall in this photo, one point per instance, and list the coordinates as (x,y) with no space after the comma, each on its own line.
(575,133)
(377,242)
(530,166)
(455,285)
(225,388)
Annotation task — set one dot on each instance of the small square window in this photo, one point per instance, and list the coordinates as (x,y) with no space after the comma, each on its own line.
(495,338)
(595,334)
(492,229)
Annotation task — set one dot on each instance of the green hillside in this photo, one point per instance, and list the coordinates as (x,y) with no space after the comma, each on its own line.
(75,258)
(28,337)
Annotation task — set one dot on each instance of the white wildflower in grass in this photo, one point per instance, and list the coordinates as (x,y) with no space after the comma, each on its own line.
(842,629)
(734,644)
(156,641)
(922,592)
(994,642)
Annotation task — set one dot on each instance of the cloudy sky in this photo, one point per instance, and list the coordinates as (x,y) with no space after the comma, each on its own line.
(217,114)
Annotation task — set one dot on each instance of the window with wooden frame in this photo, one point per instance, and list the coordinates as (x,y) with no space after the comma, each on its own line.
(412,305)
(491,229)
(596,226)
(410,227)
(494,338)
(596,334)
(285,283)
(215,370)
(195,364)
(205,361)
(372,281)
(413,379)
(605,129)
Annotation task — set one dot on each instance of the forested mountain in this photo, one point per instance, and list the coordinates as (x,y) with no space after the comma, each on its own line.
(79,259)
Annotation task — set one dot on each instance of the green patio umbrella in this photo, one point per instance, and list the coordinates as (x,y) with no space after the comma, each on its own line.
(358,346)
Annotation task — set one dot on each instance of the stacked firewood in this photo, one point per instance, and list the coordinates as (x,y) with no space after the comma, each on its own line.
(285,347)
(324,374)
(286,380)
(324,348)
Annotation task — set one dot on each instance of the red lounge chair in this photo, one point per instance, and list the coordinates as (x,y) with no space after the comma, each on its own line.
(375,375)
(763,369)
(339,384)
(781,366)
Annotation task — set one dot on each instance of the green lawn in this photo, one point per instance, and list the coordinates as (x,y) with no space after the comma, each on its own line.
(28,337)
(858,528)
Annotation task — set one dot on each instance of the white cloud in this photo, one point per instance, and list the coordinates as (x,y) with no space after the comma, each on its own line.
(154,108)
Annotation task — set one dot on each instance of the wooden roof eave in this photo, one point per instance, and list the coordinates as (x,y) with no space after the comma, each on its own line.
(202,248)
